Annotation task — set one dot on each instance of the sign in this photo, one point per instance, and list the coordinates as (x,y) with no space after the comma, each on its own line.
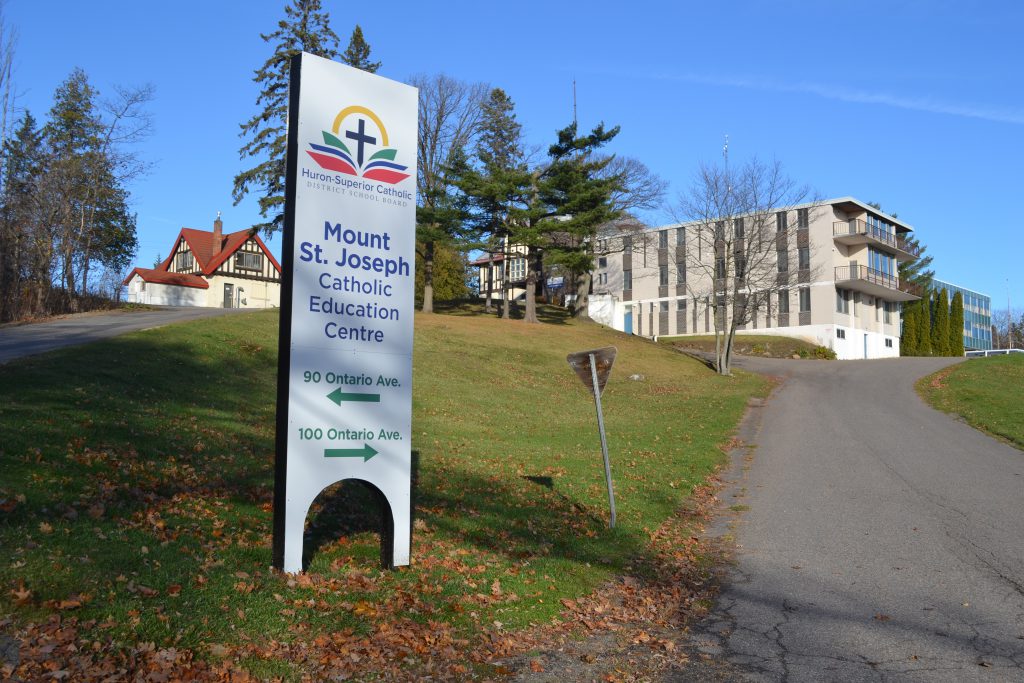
(556,282)
(603,360)
(345,367)
(593,368)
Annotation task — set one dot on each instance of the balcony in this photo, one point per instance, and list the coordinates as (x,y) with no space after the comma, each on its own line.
(859,232)
(875,283)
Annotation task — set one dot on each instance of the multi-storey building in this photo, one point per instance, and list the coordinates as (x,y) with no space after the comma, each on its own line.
(828,274)
(497,266)
(977,315)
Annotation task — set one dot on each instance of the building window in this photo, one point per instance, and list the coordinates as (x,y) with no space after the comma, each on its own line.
(803,219)
(184,261)
(602,278)
(681,305)
(663,239)
(737,226)
(681,273)
(889,306)
(783,259)
(840,333)
(804,256)
(663,275)
(602,261)
(720,267)
(627,279)
(805,299)
(245,260)
(720,230)
(517,269)
(888,343)
(663,307)
(842,301)
(784,301)
(681,237)
(781,221)
(741,265)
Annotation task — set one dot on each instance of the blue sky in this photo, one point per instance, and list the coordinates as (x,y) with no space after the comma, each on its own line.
(916,105)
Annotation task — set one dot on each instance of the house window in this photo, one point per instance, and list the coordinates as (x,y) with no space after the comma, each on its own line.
(784,301)
(681,305)
(737,226)
(781,221)
(602,278)
(627,279)
(803,219)
(681,237)
(805,299)
(888,343)
(184,261)
(663,275)
(517,269)
(842,301)
(681,273)
(804,255)
(783,259)
(889,306)
(663,239)
(245,260)
(602,262)
(840,333)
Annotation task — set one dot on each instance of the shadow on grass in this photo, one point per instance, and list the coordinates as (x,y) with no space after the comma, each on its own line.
(548,314)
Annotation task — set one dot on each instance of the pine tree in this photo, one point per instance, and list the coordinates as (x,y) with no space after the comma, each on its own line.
(940,324)
(909,342)
(357,53)
(305,28)
(956,325)
(924,326)
(24,275)
(497,186)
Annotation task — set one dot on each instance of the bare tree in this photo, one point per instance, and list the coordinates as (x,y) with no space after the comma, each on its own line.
(741,227)
(449,119)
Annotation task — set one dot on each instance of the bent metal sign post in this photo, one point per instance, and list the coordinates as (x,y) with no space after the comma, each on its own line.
(344,407)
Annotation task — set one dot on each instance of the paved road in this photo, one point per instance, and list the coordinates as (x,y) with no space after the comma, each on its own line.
(884,541)
(17,341)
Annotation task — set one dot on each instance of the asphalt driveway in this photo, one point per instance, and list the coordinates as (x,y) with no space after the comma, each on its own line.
(17,341)
(884,541)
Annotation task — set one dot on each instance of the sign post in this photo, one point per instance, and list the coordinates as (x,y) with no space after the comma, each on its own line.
(593,368)
(344,404)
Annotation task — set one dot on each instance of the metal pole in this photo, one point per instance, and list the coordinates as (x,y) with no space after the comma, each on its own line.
(604,442)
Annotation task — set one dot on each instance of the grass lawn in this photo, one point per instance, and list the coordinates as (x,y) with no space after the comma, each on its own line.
(767,345)
(987,392)
(135,501)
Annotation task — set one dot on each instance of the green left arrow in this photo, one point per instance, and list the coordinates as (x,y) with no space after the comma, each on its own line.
(338,396)
(366,452)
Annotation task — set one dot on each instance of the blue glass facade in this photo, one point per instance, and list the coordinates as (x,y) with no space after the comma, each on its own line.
(977,315)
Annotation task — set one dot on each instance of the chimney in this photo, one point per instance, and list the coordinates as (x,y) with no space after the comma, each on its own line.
(218,235)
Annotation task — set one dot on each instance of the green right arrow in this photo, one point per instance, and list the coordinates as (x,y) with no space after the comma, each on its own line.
(366,452)
(338,396)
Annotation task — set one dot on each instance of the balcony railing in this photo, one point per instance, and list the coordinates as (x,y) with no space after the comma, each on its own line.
(876,277)
(858,227)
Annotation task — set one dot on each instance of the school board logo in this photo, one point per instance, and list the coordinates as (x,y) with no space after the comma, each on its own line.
(364,130)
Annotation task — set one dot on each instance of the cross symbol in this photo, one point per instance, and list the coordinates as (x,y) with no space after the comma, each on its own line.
(362,138)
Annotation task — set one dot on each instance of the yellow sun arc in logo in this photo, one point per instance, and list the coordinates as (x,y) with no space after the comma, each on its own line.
(356,109)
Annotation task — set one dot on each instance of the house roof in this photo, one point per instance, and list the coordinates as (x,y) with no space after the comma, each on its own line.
(201,242)
(162,277)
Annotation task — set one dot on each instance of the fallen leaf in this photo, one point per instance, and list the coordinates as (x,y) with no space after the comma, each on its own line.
(536,666)
(45,527)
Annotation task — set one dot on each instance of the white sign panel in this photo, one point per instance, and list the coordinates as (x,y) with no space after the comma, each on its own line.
(349,402)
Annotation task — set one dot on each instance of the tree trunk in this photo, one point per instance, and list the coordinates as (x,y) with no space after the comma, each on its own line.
(530,315)
(490,285)
(506,291)
(582,306)
(428,278)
